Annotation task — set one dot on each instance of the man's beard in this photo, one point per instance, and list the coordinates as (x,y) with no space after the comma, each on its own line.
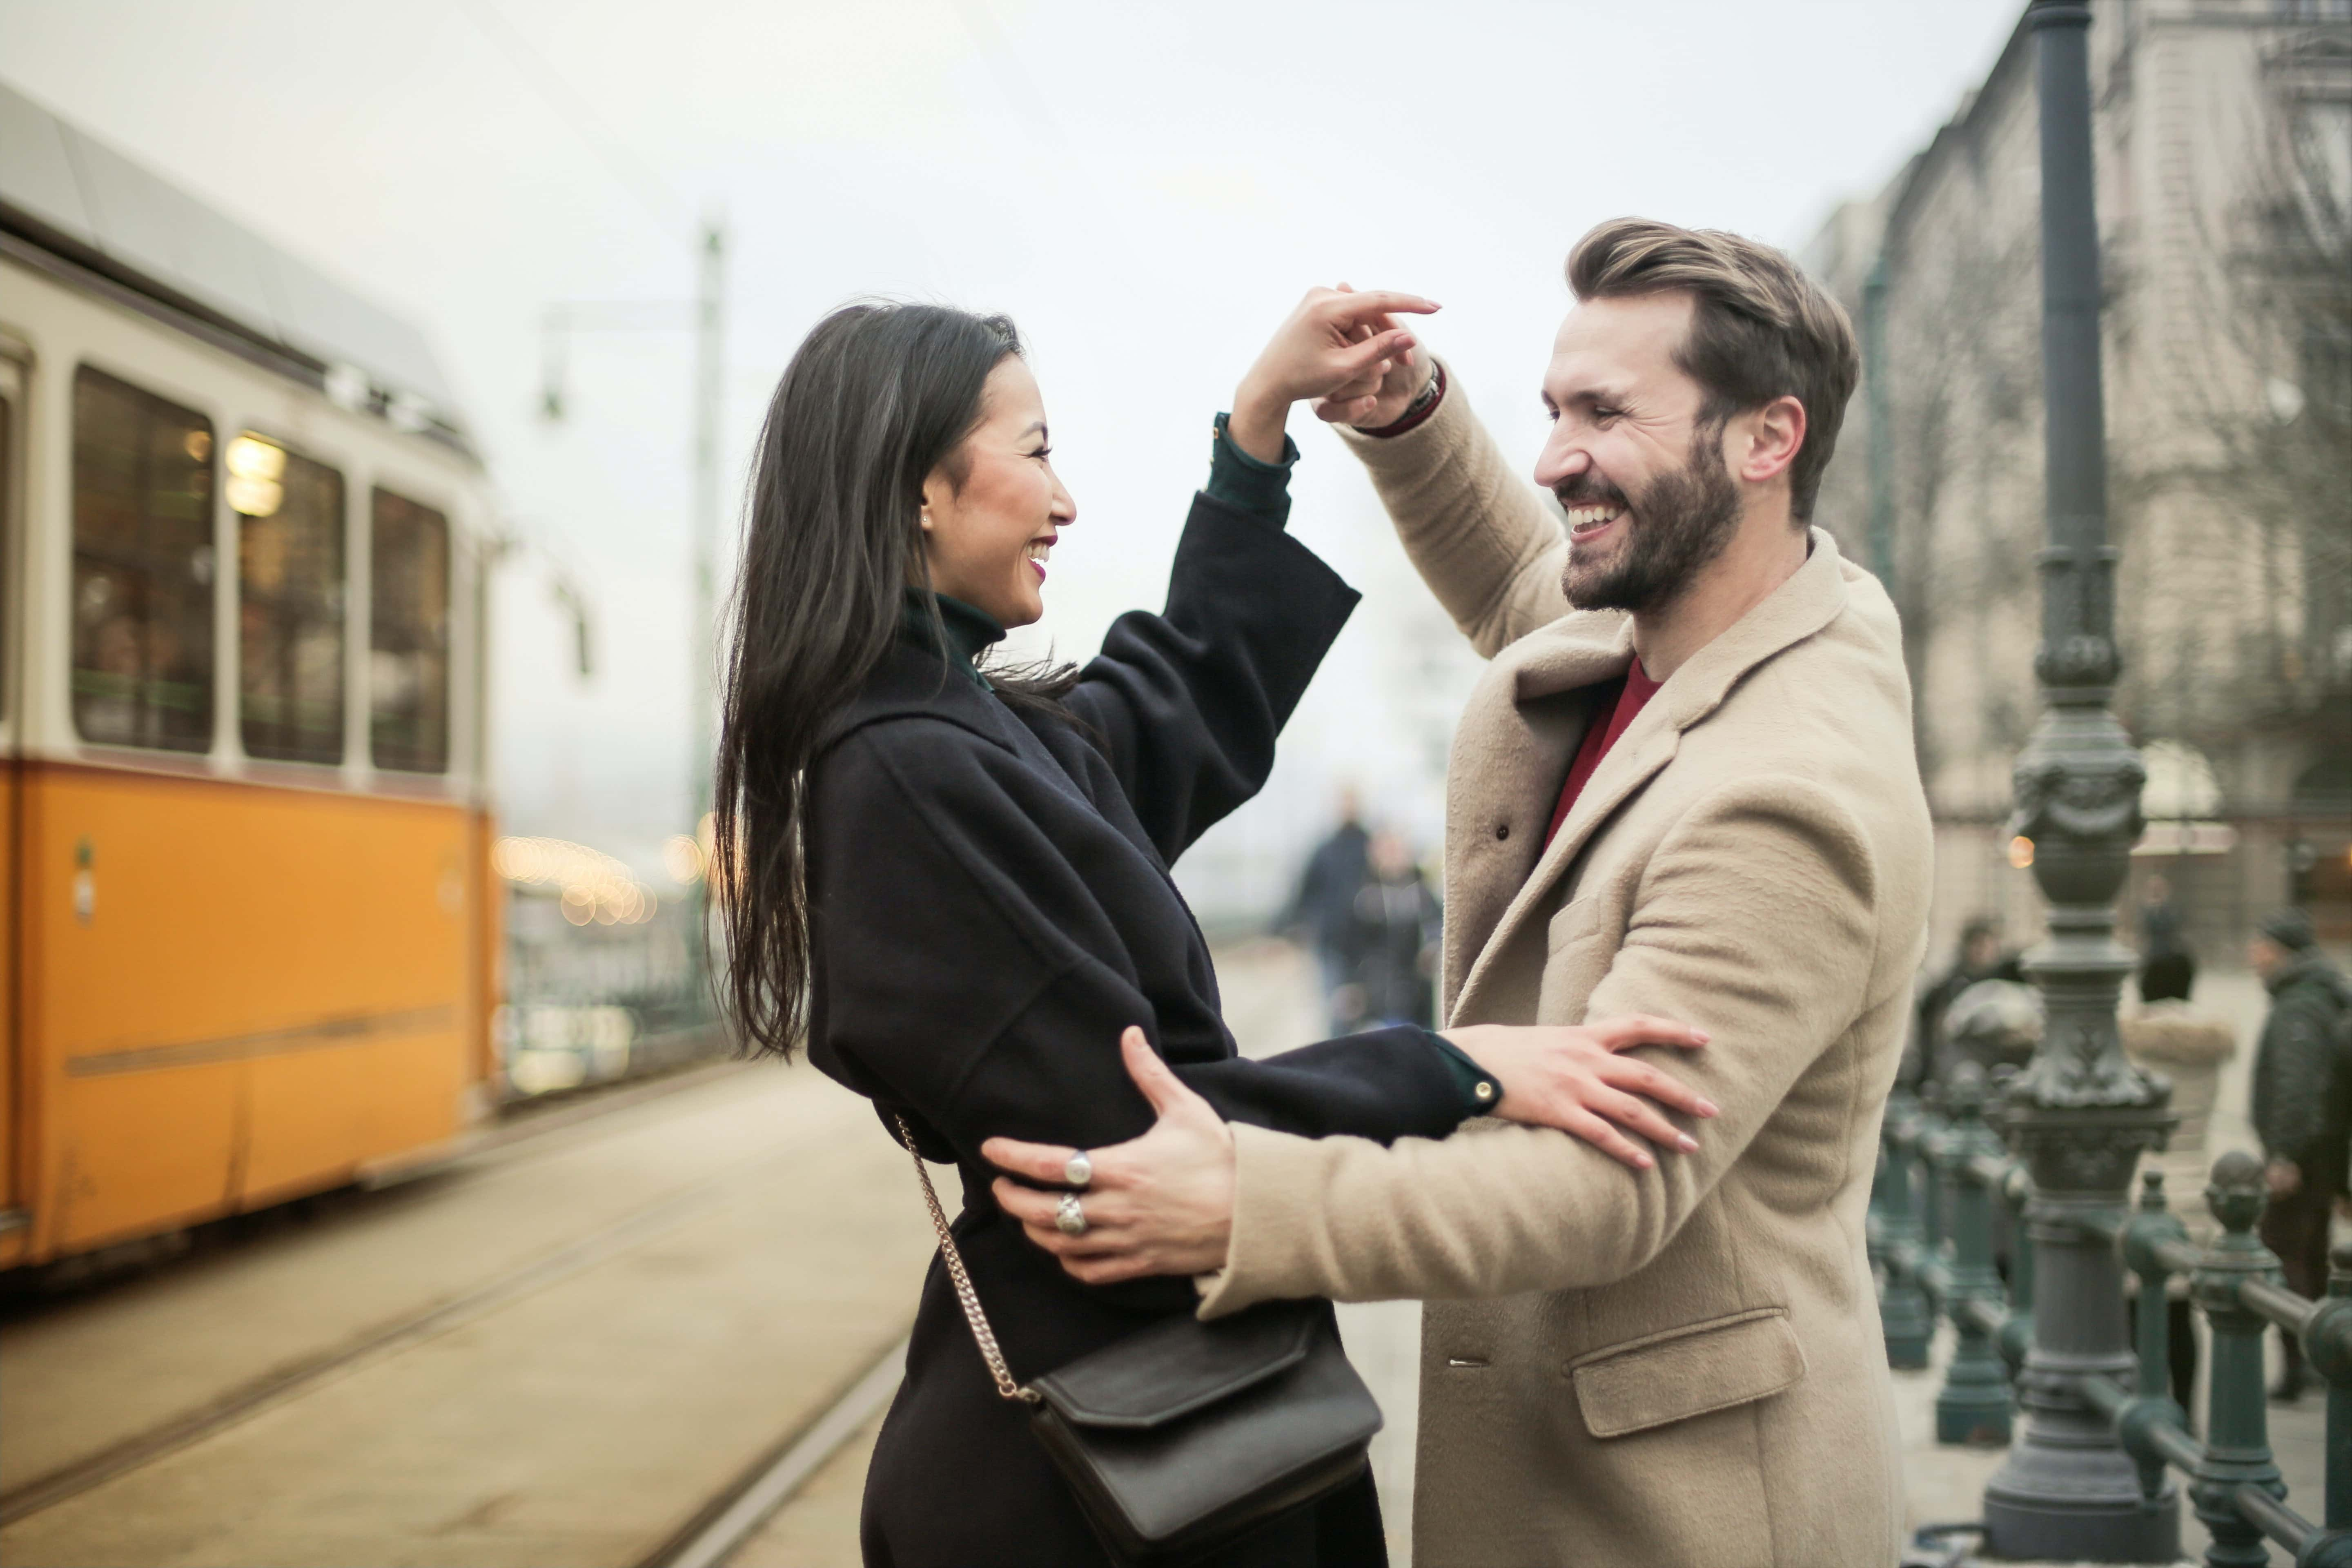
(1681,521)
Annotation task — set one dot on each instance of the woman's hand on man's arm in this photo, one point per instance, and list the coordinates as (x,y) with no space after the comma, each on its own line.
(1338,347)
(1164,1203)
(1572,1077)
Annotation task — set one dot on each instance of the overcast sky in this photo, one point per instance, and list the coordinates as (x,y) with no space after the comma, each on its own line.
(1145,186)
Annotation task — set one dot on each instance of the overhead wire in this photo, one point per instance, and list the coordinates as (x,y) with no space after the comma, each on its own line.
(644,182)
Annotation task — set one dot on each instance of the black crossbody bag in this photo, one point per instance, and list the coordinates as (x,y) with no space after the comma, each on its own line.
(1187,1436)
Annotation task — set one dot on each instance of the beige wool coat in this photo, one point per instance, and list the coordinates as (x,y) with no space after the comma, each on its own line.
(1680,1367)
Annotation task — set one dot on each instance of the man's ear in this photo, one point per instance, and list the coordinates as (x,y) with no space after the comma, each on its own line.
(1773,435)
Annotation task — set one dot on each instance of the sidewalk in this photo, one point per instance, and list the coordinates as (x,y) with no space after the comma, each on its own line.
(1946,1485)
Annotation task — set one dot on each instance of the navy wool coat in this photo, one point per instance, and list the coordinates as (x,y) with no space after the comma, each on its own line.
(990,906)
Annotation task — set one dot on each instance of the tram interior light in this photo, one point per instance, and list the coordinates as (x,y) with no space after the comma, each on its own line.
(256,469)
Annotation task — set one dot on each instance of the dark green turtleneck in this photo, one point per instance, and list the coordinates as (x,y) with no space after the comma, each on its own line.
(971,631)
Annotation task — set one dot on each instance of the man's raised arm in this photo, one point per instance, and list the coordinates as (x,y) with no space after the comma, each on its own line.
(1756,921)
(1479,534)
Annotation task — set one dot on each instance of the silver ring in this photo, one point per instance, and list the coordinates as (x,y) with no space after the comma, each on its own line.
(1079,1171)
(1070,1215)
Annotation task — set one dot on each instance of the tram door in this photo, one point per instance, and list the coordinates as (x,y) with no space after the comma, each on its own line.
(11,533)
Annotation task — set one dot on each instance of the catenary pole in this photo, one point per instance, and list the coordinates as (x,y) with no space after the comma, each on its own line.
(2080,1114)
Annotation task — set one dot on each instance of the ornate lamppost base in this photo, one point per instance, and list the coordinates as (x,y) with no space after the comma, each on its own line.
(2092,1511)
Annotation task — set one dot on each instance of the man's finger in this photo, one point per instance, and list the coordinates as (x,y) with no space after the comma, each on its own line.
(1637,1077)
(1037,1162)
(1609,1140)
(1160,1086)
(1026,1204)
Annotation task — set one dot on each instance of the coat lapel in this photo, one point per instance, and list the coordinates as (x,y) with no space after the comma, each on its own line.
(1584,650)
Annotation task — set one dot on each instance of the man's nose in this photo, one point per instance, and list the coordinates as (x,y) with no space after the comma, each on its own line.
(1562,460)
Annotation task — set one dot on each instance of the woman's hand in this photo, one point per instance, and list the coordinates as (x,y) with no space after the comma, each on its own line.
(1337,345)
(1372,403)
(1572,1077)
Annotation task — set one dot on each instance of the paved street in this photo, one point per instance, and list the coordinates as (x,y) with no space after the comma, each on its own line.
(564,1351)
(551,1356)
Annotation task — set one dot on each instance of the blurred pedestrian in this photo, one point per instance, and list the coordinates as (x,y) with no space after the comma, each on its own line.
(1391,942)
(1320,911)
(1995,1024)
(2299,1092)
(954,876)
(2189,1048)
(2167,969)
(1980,956)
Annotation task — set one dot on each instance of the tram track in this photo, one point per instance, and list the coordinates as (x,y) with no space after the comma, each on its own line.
(645,1345)
(290,1382)
(737,1513)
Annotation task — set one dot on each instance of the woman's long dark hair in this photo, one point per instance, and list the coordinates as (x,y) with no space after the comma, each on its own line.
(875,398)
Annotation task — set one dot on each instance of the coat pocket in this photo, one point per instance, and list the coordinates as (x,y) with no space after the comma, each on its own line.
(1671,1376)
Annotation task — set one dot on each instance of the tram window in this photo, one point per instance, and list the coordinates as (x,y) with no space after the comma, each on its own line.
(7,514)
(142,577)
(289,556)
(408,636)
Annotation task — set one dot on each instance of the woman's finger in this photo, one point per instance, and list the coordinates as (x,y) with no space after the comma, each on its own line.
(1363,303)
(1640,1029)
(1037,1162)
(1361,360)
(1637,1077)
(1583,1124)
(1635,1114)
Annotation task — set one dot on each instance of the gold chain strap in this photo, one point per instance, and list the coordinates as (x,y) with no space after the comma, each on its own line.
(981,1333)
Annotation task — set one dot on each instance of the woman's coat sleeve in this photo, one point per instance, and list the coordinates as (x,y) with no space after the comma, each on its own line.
(988,987)
(1188,703)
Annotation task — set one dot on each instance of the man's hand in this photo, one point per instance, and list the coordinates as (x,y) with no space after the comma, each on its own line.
(1572,1077)
(1160,1203)
(1337,344)
(2285,1178)
(1369,405)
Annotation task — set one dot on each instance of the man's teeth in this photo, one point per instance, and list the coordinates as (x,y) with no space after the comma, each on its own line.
(1593,516)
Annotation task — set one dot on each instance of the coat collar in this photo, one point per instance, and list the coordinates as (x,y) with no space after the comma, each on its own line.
(1587,647)
(912,681)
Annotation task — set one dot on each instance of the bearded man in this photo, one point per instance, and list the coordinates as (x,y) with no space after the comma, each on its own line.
(1684,787)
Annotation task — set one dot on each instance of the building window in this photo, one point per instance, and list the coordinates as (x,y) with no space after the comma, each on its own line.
(408,636)
(142,568)
(290,556)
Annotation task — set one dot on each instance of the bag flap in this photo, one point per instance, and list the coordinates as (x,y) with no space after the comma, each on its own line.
(1178,1366)
(1687,1371)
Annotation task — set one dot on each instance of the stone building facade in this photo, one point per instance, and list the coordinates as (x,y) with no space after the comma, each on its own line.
(2223,132)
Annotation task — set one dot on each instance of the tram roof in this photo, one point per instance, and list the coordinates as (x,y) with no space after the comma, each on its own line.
(73,195)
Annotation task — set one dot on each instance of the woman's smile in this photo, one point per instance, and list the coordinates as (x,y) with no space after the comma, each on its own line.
(1038,550)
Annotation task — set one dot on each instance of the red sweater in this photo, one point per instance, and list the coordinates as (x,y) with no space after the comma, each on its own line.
(1613,712)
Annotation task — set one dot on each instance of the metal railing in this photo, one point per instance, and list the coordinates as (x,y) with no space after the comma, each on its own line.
(1945,1183)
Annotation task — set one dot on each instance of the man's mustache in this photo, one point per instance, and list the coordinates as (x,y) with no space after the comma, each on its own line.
(1590,489)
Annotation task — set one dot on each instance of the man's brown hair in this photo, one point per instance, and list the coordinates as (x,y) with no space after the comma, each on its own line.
(1760,327)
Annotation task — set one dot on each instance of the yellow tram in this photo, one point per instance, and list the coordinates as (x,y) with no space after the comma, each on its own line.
(249,930)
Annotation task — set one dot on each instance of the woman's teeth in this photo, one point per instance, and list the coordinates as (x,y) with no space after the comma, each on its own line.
(1584,519)
(1039,549)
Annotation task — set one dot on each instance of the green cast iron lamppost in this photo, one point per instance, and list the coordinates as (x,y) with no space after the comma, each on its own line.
(2080,1114)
